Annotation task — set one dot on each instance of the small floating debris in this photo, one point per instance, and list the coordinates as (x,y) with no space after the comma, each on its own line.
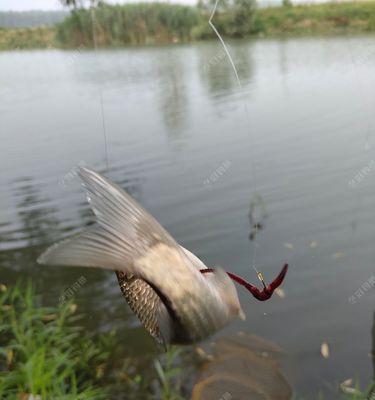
(337,255)
(202,354)
(3,288)
(73,308)
(49,317)
(289,246)
(280,292)
(324,350)
(347,387)
(347,382)
(313,244)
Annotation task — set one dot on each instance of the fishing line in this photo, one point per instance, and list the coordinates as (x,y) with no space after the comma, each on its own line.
(253,170)
(93,20)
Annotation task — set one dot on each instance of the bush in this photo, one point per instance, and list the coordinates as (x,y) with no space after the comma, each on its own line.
(139,23)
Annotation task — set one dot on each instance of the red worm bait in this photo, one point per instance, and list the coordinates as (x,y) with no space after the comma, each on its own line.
(260,295)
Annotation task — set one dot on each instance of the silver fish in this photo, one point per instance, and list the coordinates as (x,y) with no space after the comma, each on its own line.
(160,280)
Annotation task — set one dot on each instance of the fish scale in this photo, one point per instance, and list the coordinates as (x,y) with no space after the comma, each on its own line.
(142,300)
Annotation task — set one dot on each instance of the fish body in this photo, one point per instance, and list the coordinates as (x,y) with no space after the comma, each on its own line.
(160,280)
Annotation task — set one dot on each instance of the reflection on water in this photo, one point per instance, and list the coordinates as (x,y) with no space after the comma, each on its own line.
(36,216)
(257,215)
(173,94)
(35,223)
(216,71)
(173,114)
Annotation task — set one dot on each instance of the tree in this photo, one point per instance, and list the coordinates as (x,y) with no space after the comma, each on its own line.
(287,3)
(233,17)
(243,16)
(81,3)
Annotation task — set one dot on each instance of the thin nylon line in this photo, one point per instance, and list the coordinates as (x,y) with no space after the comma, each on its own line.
(248,120)
(92,14)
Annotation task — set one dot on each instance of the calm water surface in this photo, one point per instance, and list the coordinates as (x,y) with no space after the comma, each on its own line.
(181,142)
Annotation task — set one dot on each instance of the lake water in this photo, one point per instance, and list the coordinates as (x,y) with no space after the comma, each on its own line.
(295,148)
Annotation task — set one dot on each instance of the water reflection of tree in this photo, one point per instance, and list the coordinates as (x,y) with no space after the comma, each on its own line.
(216,71)
(257,215)
(242,54)
(282,47)
(38,219)
(5,234)
(37,224)
(172,91)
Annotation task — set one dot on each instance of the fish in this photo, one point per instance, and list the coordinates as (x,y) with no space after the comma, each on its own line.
(160,280)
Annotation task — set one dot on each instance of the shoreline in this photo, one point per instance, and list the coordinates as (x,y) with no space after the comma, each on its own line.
(313,20)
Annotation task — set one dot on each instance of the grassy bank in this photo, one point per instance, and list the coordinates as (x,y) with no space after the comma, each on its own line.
(328,18)
(149,23)
(46,354)
(27,38)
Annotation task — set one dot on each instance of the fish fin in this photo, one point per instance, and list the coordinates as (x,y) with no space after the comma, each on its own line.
(123,233)
(121,216)
(91,248)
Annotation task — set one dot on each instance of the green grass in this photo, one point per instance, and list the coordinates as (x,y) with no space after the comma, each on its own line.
(45,352)
(167,373)
(368,394)
(317,19)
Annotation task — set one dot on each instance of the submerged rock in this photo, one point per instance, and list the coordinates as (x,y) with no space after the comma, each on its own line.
(242,367)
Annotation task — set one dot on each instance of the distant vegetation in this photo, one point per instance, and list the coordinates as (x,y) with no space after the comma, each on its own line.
(135,23)
(27,19)
(325,18)
(27,38)
(149,23)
